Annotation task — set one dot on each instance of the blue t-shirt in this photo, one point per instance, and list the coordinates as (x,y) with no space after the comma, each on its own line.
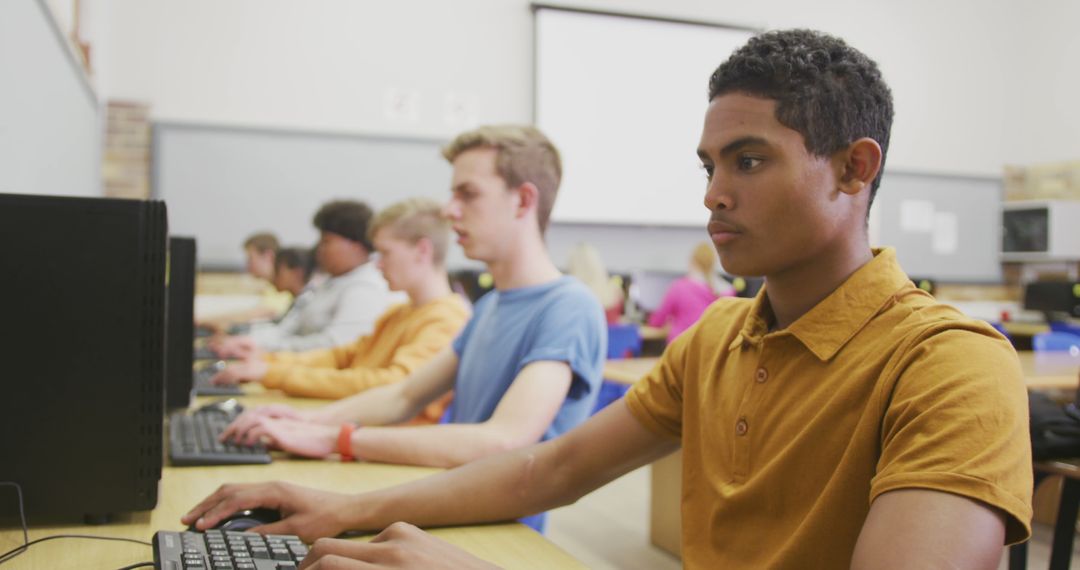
(560,320)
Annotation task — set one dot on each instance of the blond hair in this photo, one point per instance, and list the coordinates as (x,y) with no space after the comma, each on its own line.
(703,258)
(585,264)
(262,242)
(524,154)
(414,219)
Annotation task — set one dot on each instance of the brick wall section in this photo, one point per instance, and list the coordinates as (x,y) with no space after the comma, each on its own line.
(125,165)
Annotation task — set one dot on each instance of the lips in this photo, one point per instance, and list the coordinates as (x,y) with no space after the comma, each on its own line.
(722,232)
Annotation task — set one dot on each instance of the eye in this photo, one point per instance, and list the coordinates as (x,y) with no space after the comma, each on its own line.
(708,168)
(748,162)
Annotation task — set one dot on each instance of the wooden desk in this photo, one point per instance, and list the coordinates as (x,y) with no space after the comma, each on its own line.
(1050,370)
(628,370)
(510,545)
(652,333)
(1024,329)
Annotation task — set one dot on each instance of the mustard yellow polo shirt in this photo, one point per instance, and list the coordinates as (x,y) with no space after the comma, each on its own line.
(789,436)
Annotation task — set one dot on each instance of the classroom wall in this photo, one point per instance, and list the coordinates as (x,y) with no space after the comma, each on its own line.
(977,85)
(49,137)
(335,64)
(1043,117)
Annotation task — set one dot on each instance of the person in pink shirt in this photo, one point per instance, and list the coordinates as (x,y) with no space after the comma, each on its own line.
(689,295)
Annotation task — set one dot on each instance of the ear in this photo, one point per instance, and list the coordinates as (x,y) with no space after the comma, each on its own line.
(529,196)
(858,166)
(425,250)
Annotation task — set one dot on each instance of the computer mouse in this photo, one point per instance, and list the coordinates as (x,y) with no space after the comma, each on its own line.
(242,521)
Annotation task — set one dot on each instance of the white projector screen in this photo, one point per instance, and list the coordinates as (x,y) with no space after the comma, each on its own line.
(624,100)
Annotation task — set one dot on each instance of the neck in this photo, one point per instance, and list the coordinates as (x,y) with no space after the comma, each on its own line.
(431,287)
(525,263)
(797,289)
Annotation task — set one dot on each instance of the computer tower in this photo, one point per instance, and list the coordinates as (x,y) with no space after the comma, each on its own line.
(180,330)
(83,354)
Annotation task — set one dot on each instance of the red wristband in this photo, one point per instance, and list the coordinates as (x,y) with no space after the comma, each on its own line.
(344,441)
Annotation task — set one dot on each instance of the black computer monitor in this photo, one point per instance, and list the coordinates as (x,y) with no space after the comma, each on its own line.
(468,282)
(745,287)
(83,354)
(1053,298)
(180,331)
(925,283)
(649,287)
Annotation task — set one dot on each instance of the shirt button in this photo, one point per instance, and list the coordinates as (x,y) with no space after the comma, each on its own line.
(741,427)
(761,376)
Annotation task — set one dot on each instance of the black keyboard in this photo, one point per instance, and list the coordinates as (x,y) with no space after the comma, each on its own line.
(204,353)
(193,440)
(203,387)
(226,550)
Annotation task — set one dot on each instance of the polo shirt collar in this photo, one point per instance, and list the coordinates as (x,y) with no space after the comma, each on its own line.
(827,327)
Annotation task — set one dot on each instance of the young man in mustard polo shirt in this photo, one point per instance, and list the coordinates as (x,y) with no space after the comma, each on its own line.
(842,418)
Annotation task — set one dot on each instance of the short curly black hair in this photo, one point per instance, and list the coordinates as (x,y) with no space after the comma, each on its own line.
(346,218)
(827,91)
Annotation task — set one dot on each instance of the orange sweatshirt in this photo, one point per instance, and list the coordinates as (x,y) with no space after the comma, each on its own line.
(405,337)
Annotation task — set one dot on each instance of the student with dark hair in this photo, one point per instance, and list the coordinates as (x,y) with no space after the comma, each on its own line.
(293,267)
(338,310)
(842,418)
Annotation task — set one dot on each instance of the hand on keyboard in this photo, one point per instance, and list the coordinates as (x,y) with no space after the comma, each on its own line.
(401,545)
(297,437)
(245,421)
(251,370)
(308,513)
(234,346)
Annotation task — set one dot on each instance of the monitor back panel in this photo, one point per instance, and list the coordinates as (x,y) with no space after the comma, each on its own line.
(180,331)
(83,350)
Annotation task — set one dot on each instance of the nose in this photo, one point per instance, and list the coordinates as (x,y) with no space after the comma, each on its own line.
(718,195)
(450,209)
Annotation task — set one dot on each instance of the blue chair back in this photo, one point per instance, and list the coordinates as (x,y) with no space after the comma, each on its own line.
(1055,341)
(1058,326)
(623,341)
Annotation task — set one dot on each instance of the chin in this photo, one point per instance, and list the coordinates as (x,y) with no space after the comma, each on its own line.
(741,266)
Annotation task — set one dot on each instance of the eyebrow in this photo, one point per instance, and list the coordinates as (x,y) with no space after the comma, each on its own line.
(734,146)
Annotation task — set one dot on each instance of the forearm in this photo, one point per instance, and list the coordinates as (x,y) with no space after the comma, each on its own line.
(447,445)
(298,343)
(309,382)
(379,406)
(320,358)
(502,487)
